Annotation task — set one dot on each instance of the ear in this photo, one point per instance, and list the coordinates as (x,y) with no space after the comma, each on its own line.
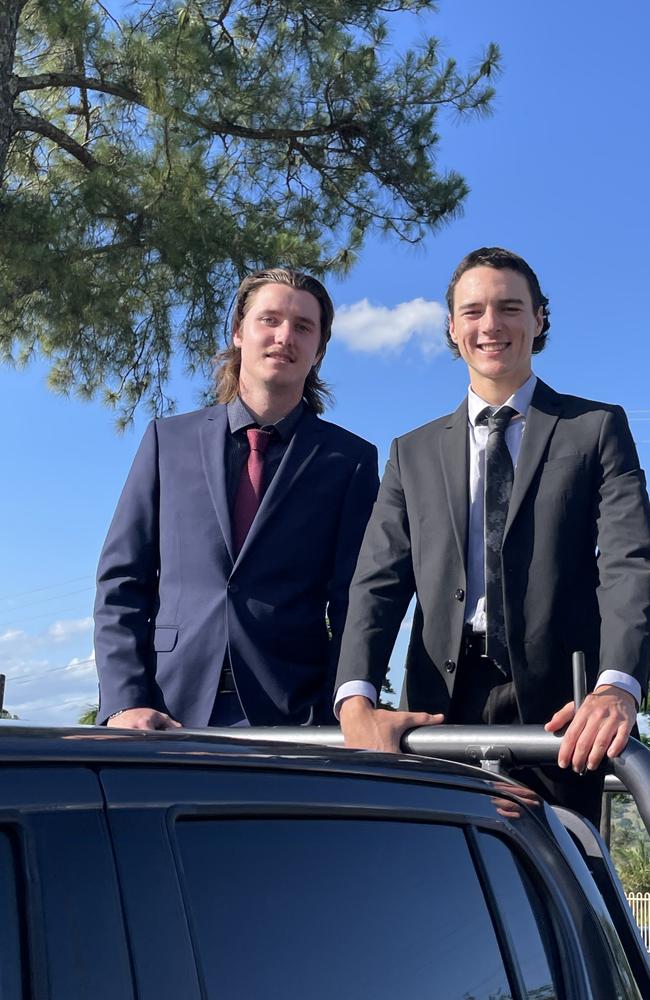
(452,330)
(236,338)
(539,320)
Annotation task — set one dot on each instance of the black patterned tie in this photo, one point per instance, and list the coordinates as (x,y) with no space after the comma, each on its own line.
(499,475)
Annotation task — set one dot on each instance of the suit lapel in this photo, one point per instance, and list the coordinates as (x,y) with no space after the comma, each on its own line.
(302,448)
(454,454)
(213,449)
(540,421)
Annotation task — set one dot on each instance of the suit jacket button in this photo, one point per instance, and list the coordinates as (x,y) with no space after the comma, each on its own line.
(460,594)
(450,666)
(233,588)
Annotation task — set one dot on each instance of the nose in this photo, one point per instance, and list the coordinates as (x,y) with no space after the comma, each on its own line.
(489,320)
(283,332)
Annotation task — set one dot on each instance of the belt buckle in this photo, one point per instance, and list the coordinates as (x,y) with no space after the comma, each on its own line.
(476,641)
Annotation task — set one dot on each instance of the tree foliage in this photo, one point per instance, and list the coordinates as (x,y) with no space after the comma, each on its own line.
(630,843)
(631,856)
(89,715)
(150,159)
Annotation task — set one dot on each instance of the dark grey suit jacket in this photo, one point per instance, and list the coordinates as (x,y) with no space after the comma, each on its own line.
(576,557)
(173,597)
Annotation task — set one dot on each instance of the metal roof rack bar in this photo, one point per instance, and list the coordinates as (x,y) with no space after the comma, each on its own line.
(507,746)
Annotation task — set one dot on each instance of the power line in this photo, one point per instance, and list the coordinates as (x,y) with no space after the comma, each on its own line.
(46,614)
(54,597)
(50,586)
(29,678)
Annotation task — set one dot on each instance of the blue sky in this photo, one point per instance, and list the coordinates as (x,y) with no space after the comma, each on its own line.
(559,174)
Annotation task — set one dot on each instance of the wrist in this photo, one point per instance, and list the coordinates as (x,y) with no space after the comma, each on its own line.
(354,707)
(620,692)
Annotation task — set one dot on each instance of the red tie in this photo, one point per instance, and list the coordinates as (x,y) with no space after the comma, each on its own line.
(249,491)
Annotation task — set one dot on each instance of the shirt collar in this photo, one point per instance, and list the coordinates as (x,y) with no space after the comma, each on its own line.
(240,418)
(519,401)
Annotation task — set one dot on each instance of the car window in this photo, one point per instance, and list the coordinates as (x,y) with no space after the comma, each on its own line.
(322,908)
(10,937)
(526,919)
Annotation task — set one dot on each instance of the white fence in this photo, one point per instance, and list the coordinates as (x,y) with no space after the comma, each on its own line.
(640,905)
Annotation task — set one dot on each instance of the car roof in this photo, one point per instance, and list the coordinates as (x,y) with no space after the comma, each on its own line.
(97,745)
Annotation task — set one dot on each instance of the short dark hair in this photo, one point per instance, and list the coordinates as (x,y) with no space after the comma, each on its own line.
(501,259)
(316,393)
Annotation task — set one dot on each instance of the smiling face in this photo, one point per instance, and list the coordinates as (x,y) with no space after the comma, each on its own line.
(279,339)
(494,326)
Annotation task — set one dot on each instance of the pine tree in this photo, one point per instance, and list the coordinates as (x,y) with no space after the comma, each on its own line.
(149,160)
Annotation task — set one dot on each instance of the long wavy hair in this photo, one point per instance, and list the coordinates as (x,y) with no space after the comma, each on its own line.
(316,393)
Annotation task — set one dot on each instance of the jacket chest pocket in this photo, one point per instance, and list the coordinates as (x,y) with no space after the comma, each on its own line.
(565,471)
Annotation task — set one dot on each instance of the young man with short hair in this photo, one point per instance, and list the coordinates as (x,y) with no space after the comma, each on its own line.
(521,524)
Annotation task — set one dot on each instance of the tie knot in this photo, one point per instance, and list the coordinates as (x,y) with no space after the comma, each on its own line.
(496,421)
(258,440)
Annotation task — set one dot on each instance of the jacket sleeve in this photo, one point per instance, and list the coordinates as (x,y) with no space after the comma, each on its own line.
(357,505)
(382,586)
(623,539)
(127,588)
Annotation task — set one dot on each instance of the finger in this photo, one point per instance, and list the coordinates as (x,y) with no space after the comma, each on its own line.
(163,721)
(424,719)
(593,742)
(583,747)
(597,752)
(570,739)
(561,718)
(619,742)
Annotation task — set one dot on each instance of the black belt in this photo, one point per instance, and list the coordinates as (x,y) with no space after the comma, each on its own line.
(227,681)
(474,642)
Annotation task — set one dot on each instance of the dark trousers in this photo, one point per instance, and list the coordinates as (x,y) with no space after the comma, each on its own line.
(483,695)
(227,709)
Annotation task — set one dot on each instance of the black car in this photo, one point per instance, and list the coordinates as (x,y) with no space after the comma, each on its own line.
(204,866)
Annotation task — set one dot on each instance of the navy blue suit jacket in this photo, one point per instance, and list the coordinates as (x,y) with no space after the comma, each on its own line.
(172,598)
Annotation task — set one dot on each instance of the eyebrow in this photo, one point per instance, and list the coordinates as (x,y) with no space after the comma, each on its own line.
(501,302)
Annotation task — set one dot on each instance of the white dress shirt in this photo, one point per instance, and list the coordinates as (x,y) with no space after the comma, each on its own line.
(475,606)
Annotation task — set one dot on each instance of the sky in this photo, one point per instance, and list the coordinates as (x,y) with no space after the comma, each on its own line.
(558,174)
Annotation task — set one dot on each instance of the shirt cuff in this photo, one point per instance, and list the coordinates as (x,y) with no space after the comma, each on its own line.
(352,688)
(621,680)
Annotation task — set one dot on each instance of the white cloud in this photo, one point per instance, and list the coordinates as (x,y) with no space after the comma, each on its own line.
(11,635)
(366,327)
(44,686)
(79,665)
(62,630)
(41,692)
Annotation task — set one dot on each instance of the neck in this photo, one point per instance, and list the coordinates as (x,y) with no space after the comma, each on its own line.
(268,407)
(495,392)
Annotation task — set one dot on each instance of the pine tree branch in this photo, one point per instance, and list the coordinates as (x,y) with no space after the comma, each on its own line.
(24,122)
(44,81)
